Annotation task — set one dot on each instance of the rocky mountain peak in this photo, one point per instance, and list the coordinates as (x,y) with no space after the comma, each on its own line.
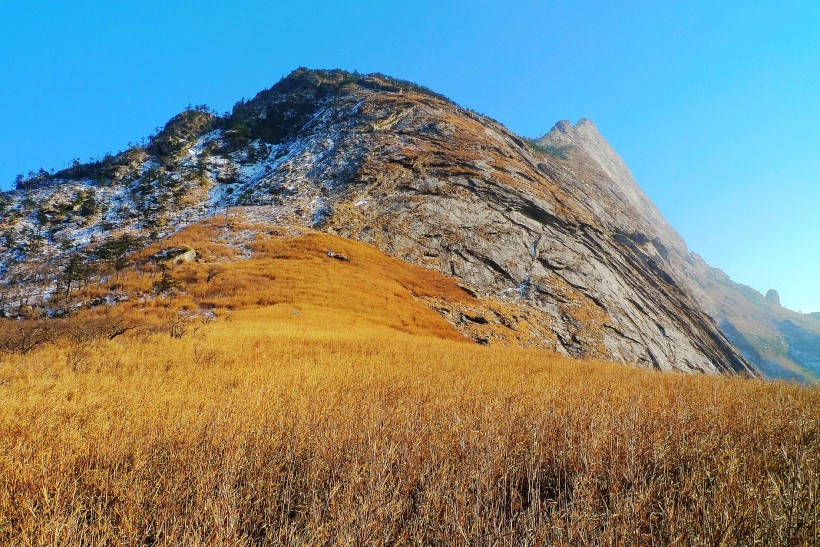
(561,127)
(583,127)
(569,133)
(585,136)
(623,201)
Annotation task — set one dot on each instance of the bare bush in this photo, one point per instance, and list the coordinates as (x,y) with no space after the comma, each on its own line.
(22,336)
(175,325)
(108,326)
(212,271)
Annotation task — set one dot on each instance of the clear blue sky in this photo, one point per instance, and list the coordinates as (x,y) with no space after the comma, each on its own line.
(716,109)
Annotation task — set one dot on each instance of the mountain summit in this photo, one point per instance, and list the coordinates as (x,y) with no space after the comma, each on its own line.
(552,236)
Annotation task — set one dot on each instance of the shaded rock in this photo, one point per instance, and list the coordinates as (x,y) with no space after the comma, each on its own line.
(178,254)
(338,256)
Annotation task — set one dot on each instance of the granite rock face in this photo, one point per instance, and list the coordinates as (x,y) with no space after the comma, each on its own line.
(758,326)
(556,225)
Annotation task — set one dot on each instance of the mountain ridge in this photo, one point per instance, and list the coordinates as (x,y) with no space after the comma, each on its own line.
(761,327)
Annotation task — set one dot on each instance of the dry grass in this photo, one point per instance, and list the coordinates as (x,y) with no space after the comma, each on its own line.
(251,265)
(354,414)
(247,266)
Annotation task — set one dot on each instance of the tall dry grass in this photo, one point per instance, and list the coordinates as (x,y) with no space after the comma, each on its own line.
(327,405)
(281,428)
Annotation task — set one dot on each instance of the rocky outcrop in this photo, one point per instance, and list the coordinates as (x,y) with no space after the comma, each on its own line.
(773,297)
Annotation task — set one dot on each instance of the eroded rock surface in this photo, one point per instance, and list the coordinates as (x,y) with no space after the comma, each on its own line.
(557,225)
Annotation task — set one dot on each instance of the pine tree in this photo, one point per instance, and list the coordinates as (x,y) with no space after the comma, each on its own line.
(166,282)
(74,270)
(115,251)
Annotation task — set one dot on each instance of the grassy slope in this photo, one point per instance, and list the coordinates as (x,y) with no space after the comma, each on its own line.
(328,404)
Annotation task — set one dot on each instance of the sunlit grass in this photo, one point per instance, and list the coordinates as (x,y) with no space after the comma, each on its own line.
(352,413)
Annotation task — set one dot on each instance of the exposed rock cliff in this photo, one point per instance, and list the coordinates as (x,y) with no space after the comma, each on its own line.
(757,326)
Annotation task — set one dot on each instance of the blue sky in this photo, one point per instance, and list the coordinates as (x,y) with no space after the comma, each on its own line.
(716,109)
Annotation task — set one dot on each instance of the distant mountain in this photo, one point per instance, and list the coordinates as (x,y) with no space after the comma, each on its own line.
(553,235)
(781,343)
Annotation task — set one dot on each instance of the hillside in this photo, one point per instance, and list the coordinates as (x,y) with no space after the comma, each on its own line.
(781,343)
(246,383)
(392,164)
(221,266)
(554,230)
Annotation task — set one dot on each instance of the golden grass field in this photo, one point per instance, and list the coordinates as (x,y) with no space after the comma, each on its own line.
(327,405)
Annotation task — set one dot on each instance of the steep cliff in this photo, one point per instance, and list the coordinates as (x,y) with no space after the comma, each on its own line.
(781,343)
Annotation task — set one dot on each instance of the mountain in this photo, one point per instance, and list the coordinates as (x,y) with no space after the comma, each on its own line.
(779,342)
(552,239)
